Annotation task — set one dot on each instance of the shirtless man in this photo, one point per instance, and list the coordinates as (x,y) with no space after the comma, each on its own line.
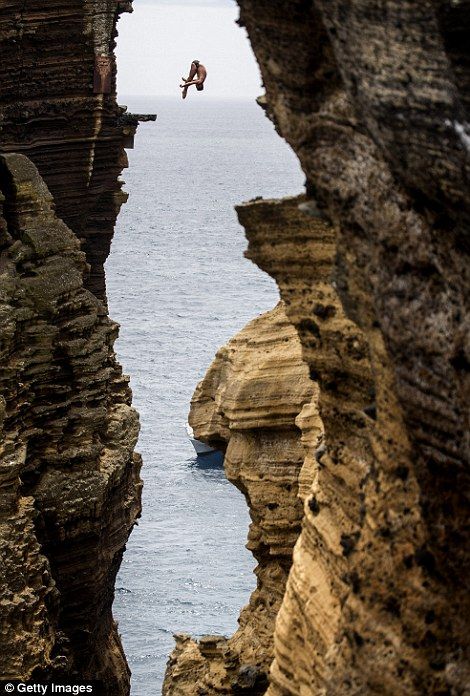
(197,70)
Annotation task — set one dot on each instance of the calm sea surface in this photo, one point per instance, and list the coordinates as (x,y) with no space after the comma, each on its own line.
(180,288)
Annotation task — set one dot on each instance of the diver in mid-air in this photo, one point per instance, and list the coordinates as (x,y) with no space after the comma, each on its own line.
(197,71)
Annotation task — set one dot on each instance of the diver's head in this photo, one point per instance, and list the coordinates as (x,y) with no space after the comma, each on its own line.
(196,63)
(199,88)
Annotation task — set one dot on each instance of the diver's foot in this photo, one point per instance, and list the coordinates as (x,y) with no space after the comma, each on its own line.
(184,93)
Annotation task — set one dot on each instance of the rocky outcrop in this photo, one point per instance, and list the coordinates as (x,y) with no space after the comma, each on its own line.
(248,403)
(68,473)
(373,100)
(362,525)
(69,478)
(372,266)
(59,108)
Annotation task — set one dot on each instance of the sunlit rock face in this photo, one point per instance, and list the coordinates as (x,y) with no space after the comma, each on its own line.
(372,266)
(68,473)
(361,523)
(374,101)
(248,403)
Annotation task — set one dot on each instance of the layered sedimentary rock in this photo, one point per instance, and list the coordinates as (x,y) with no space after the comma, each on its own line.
(58,106)
(373,268)
(69,478)
(248,403)
(373,100)
(362,526)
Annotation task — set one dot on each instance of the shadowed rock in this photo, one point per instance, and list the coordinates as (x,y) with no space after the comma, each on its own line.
(69,478)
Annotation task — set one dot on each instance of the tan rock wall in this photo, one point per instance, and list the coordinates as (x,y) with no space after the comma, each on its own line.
(362,526)
(249,401)
(373,270)
(371,97)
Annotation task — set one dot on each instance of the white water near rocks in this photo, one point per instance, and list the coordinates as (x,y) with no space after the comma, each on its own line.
(180,288)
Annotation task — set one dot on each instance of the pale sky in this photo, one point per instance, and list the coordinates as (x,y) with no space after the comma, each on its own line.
(158,41)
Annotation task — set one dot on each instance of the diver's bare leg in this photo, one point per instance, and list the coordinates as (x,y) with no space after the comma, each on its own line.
(186,86)
(192,74)
(187,82)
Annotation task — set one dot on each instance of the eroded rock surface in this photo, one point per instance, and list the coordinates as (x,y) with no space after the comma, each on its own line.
(371,99)
(68,474)
(248,402)
(58,106)
(69,478)
(362,524)
(372,266)
(392,174)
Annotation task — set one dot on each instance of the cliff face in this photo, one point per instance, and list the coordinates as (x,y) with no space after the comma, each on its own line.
(70,483)
(69,476)
(362,523)
(372,266)
(58,106)
(374,100)
(249,400)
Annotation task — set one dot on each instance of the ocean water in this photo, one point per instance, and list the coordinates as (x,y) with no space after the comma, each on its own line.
(180,288)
